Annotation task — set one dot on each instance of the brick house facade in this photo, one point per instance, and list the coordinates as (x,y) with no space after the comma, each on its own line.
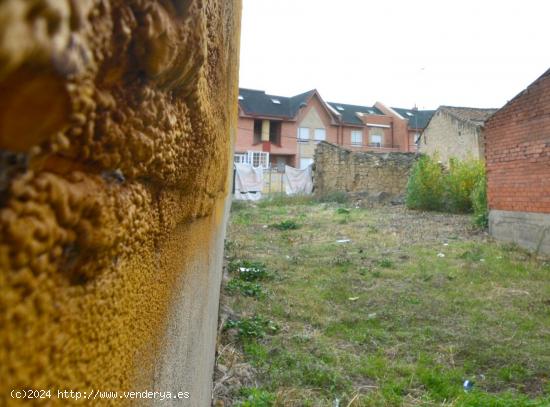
(517,152)
(287,129)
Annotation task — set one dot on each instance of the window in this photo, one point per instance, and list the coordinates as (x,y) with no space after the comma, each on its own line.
(376,140)
(258,159)
(410,114)
(239,158)
(320,134)
(276,101)
(303,134)
(356,137)
(340,108)
(240,97)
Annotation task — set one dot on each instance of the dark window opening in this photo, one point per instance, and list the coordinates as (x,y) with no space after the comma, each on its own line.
(257,132)
(275,132)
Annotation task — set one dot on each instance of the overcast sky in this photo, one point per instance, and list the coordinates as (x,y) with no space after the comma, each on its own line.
(474,53)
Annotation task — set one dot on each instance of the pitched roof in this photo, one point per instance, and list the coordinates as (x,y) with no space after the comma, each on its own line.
(476,116)
(349,112)
(257,102)
(418,119)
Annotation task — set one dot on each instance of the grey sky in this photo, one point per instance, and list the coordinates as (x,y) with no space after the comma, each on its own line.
(464,53)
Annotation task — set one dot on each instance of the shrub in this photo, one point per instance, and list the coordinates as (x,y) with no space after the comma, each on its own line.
(425,189)
(461,189)
(460,183)
(479,202)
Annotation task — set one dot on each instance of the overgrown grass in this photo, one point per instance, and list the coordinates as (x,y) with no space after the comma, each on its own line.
(383,320)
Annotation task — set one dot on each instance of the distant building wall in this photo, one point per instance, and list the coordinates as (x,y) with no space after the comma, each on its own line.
(517,145)
(341,170)
(450,137)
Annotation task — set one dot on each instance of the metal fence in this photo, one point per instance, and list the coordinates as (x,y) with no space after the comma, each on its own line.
(273,181)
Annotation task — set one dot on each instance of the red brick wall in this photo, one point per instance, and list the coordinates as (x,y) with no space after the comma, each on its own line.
(517,151)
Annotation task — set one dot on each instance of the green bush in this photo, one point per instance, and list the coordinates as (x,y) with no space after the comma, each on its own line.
(460,189)
(460,182)
(426,187)
(479,203)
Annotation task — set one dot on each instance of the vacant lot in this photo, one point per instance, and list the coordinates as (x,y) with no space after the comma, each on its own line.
(378,307)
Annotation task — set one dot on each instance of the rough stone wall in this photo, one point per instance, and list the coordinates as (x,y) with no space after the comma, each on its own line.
(341,170)
(449,137)
(116,122)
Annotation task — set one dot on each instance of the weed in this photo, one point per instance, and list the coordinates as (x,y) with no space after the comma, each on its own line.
(474,254)
(246,288)
(237,205)
(256,397)
(249,270)
(252,327)
(385,263)
(479,203)
(286,225)
(342,211)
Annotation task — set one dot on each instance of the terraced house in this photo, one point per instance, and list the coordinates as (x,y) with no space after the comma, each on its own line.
(279,130)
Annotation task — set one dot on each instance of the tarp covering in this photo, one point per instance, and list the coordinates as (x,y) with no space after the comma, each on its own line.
(249,182)
(298,181)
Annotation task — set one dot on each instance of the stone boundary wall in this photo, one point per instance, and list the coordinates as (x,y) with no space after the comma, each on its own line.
(372,174)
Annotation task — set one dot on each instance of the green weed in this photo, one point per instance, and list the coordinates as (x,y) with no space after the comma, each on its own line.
(252,327)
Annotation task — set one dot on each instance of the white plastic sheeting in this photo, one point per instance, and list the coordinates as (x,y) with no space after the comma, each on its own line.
(298,181)
(249,182)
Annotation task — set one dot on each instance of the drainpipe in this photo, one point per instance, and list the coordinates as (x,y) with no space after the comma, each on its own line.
(392,139)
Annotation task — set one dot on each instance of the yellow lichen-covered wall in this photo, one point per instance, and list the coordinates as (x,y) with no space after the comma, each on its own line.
(115,124)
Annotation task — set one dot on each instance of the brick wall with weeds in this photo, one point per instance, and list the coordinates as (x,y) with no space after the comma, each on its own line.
(462,188)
